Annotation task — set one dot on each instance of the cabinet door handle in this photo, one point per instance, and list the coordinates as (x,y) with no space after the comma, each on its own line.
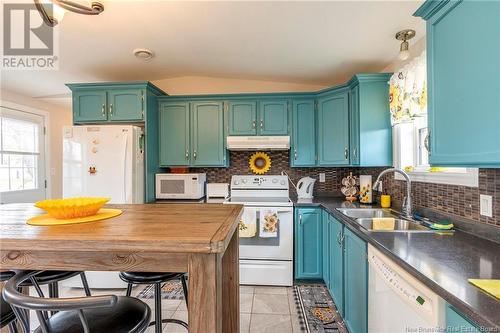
(111,110)
(187,154)
(194,154)
(354,152)
(346,153)
(103,110)
(338,238)
(342,240)
(253,124)
(295,154)
(261,123)
(300,219)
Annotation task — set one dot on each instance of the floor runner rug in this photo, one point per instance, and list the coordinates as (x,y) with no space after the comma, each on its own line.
(169,290)
(317,311)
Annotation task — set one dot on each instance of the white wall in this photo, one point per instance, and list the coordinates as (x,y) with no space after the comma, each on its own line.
(59,116)
(191,85)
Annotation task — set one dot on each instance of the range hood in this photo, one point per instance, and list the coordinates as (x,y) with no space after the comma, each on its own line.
(258,142)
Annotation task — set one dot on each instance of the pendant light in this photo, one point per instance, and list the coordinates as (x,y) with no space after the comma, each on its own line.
(404,36)
(57,8)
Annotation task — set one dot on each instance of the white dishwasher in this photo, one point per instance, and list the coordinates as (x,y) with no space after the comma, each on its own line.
(397,302)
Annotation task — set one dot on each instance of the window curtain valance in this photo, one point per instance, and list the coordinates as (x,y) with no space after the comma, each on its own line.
(408,91)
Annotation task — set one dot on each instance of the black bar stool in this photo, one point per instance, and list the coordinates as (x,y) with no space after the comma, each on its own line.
(52,279)
(7,315)
(157,279)
(98,314)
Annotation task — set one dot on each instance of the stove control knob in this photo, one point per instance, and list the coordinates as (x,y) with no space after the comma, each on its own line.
(275,180)
(236,182)
(282,182)
(244,181)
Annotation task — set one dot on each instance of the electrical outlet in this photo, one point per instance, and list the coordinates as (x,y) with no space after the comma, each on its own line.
(486,205)
(322,177)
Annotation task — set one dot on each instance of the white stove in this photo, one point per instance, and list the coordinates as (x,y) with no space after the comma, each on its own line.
(266,241)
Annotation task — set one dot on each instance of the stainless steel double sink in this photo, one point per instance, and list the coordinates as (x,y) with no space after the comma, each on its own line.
(365,216)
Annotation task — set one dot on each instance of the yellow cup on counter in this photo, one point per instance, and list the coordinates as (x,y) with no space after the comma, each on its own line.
(385,201)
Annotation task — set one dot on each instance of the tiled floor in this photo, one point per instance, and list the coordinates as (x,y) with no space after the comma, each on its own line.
(262,309)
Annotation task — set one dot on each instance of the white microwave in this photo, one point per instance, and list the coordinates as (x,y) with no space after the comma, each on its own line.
(180,185)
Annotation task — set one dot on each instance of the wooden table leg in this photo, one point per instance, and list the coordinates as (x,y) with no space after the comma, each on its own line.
(231,287)
(214,291)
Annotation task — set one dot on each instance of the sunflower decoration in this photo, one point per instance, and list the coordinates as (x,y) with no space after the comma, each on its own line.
(260,163)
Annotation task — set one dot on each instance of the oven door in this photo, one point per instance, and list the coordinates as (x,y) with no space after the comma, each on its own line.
(279,247)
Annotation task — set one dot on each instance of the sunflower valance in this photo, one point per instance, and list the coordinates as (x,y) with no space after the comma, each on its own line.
(408,91)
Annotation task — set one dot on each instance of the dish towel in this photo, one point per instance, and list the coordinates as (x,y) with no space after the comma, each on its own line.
(383,223)
(492,287)
(269,223)
(248,223)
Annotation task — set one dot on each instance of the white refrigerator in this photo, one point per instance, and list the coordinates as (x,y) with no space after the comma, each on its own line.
(104,161)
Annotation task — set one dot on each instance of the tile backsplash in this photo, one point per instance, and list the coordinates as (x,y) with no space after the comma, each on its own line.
(458,200)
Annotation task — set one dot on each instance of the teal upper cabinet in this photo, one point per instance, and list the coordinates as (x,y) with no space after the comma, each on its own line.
(207,134)
(336,262)
(463,74)
(242,118)
(273,117)
(90,106)
(354,125)
(192,134)
(303,150)
(355,283)
(333,129)
(174,135)
(114,101)
(370,126)
(308,243)
(456,323)
(258,117)
(126,104)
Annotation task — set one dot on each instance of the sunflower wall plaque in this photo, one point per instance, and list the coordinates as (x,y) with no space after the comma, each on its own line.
(260,163)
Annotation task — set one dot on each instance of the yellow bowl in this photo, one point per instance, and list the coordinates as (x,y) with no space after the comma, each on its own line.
(72,207)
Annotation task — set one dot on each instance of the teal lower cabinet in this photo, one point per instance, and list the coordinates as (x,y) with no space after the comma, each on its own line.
(308,243)
(326,247)
(355,283)
(336,262)
(456,323)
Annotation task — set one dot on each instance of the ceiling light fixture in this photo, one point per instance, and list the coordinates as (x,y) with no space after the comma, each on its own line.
(144,54)
(57,9)
(404,36)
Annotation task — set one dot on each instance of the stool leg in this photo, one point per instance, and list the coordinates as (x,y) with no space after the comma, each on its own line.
(85,284)
(13,327)
(129,289)
(53,293)
(158,308)
(184,287)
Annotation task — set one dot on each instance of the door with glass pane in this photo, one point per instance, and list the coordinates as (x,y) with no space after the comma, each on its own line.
(22,156)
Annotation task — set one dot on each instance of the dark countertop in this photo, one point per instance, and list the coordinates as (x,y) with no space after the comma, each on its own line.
(442,261)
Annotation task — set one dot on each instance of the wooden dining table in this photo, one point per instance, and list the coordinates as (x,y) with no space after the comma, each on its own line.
(200,239)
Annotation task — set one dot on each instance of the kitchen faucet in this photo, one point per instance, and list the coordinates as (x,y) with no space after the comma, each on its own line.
(407,210)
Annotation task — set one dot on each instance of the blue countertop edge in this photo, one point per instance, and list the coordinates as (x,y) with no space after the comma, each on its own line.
(477,305)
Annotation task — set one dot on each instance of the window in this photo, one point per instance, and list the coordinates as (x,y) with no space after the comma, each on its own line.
(21,156)
(408,108)
(410,154)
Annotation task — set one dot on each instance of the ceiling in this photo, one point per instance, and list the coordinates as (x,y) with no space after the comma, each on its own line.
(307,42)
